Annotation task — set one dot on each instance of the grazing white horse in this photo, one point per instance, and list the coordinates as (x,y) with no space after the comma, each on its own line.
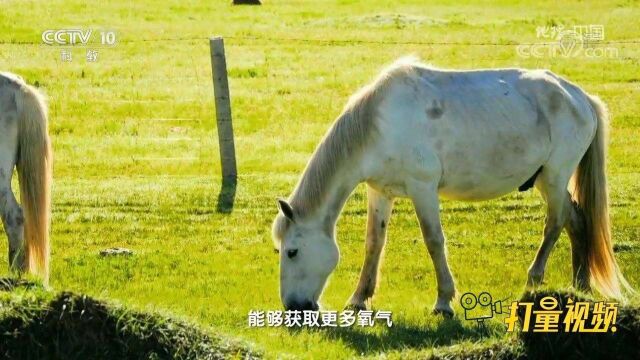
(421,132)
(24,143)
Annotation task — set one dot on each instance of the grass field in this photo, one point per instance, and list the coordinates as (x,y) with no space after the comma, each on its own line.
(136,161)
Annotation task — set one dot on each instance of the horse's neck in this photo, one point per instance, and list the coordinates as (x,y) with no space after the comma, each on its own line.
(336,194)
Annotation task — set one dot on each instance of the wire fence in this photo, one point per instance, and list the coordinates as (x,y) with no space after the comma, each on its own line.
(330,42)
(202,80)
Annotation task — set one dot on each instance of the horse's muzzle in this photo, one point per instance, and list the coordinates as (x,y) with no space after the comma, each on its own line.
(301,305)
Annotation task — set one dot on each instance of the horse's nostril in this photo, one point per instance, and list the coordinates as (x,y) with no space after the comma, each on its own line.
(310,306)
(292,253)
(302,306)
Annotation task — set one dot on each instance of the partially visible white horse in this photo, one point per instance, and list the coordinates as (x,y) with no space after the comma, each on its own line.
(421,132)
(24,143)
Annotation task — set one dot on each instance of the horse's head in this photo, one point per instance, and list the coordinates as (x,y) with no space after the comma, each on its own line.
(308,255)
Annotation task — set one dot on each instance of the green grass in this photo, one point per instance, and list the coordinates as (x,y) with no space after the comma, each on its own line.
(136,161)
(36,324)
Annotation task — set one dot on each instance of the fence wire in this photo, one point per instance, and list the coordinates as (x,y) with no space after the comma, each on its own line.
(329,42)
(204,85)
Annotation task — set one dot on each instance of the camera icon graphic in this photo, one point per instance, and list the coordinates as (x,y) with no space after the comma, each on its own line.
(481,307)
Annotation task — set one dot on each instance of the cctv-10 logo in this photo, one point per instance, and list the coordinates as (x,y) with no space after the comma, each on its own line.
(76,37)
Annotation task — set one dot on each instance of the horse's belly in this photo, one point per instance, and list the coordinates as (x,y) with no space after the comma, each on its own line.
(474,189)
(487,154)
(486,177)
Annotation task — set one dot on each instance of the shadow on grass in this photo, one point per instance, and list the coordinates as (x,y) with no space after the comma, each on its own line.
(12,283)
(404,336)
(227,195)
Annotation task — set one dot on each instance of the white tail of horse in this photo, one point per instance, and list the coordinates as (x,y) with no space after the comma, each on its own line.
(34,171)
(590,192)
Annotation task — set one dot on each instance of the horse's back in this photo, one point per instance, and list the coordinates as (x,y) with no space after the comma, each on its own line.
(485,132)
(9,85)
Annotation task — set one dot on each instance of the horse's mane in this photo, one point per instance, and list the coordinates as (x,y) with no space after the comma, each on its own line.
(345,139)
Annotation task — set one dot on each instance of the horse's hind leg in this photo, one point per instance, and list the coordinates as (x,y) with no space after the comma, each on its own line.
(554,190)
(379,211)
(13,220)
(575,227)
(10,211)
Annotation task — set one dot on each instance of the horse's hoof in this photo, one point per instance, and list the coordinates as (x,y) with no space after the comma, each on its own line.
(582,285)
(534,278)
(534,285)
(445,312)
(356,307)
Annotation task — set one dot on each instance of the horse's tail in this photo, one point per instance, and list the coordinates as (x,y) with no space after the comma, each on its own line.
(590,192)
(34,172)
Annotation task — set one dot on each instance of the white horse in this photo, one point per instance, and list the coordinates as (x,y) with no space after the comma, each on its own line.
(24,143)
(420,132)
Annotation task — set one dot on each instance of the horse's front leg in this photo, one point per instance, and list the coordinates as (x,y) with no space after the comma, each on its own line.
(427,204)
(379,211)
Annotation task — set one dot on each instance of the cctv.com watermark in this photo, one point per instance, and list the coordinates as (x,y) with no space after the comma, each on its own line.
(318,319)
(575,41)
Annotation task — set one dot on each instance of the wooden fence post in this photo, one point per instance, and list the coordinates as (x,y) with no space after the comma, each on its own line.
(223,109)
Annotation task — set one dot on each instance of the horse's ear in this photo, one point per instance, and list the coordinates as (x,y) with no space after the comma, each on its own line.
(286,209)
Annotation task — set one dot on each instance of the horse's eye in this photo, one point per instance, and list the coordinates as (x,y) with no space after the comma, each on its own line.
(292,253)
